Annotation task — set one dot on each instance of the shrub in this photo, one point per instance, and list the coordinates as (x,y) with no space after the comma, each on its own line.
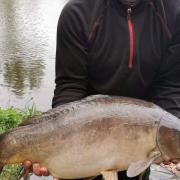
(10,118)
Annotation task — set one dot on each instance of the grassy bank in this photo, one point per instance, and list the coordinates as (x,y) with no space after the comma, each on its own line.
(10,118)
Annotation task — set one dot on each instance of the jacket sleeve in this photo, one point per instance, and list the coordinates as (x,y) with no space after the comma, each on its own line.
(71,58)
(166,91)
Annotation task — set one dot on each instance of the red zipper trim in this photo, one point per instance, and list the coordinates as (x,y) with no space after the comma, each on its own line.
(131,39)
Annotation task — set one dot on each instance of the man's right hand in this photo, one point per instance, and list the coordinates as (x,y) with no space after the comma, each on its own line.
(36,169)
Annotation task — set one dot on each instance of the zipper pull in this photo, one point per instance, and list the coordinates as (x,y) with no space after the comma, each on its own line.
(129,11)
(131,37)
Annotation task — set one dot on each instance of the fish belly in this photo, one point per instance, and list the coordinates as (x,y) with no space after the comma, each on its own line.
(87,153)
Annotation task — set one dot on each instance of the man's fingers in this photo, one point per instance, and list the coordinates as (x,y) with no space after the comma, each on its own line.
(37,169)
(44,171)
(25,169)
(27,165)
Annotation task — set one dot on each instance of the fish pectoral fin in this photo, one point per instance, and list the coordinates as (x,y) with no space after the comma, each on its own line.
(110,175)
(138,167)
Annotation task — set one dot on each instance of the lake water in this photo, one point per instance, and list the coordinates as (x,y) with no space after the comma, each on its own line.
(27,51)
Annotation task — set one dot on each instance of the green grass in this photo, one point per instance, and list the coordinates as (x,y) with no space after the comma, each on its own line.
(10,118)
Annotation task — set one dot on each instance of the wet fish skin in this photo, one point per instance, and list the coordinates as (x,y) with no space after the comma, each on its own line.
(83,138)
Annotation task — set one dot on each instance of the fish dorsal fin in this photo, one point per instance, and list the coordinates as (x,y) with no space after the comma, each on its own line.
(138,167)
(109,175)
(41,117)
(28,121)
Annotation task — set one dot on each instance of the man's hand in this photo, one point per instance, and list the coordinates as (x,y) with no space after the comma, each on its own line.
(172,165)
(36,169)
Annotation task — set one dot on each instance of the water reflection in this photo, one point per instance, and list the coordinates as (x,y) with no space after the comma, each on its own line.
(27,51)
(18,76)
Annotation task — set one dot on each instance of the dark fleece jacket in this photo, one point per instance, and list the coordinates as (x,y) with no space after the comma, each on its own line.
(99,40)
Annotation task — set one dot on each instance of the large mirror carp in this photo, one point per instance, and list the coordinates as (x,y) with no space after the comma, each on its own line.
(96,135)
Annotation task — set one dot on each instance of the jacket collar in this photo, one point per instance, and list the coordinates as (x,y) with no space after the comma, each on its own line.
(131,3)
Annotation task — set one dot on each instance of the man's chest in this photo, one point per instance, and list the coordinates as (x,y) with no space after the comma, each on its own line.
(119,40)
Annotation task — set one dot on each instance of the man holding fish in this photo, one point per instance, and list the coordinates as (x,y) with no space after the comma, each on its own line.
(118,47)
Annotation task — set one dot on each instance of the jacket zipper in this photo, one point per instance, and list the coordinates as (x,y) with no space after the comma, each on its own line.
(131,38)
